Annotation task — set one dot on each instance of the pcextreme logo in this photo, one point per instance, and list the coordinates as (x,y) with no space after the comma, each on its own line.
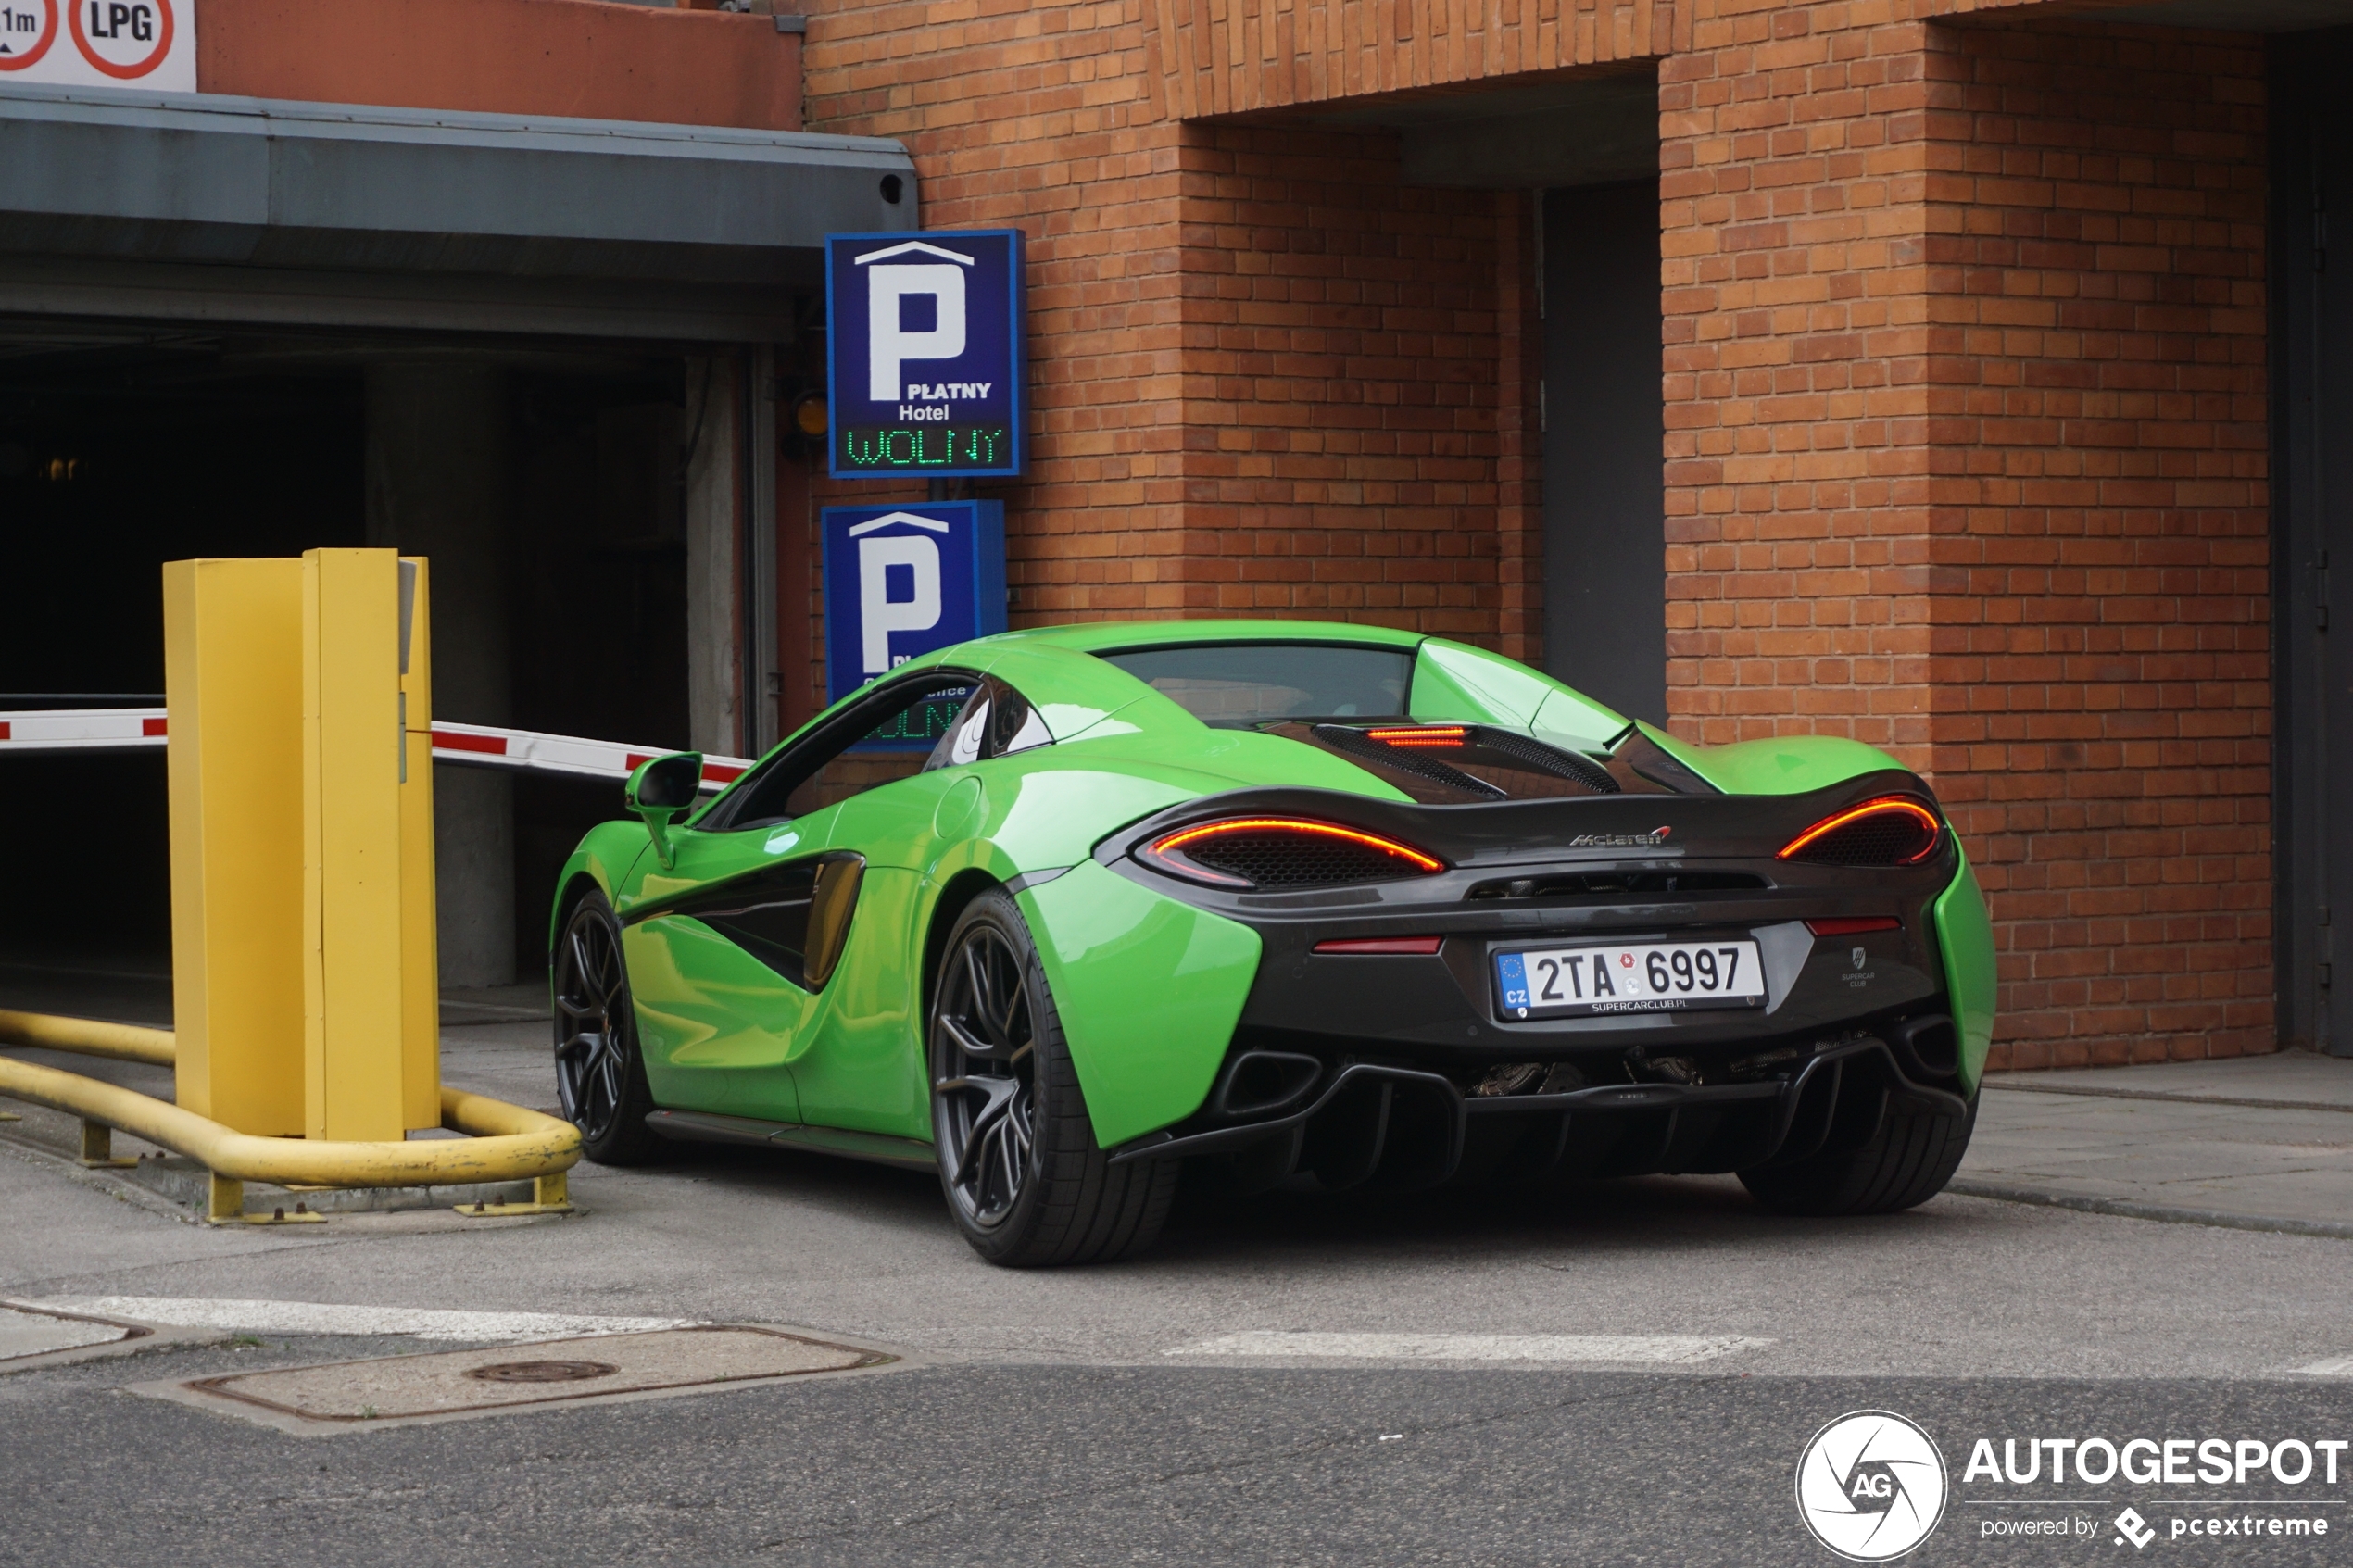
(1871,1485)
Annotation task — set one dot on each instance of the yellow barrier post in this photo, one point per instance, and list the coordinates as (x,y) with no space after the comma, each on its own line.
(419,957)
(354,749)
(304,973)
(233,678)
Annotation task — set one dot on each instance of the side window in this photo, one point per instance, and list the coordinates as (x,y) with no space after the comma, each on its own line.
(879,740)
(996,721)
(1015,725)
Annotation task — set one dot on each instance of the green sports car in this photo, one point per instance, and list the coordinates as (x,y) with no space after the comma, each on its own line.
(1065,914)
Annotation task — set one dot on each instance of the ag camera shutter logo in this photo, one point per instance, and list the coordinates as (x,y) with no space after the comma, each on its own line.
(1871,1485)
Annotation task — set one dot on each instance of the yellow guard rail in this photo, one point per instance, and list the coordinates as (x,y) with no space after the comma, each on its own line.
(508,1143)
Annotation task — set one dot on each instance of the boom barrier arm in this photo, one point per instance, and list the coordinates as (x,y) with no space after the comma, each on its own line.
(467,746)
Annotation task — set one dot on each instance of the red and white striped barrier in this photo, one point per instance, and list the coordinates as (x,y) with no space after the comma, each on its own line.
(472,745)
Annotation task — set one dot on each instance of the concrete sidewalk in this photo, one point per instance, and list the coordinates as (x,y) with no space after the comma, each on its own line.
(2255,1143)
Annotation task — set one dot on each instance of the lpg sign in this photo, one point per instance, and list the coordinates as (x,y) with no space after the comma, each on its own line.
(924,353)
(145,44)
(902,581)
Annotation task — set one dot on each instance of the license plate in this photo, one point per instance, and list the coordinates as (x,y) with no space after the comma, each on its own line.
(1629,977)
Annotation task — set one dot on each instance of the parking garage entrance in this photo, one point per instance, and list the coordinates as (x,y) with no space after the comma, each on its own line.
(546,359)
(549,487)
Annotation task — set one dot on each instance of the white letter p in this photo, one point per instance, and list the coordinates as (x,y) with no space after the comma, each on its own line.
(878,614)
(887,346)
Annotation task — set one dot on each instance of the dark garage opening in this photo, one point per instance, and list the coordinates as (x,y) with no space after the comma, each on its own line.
(122,450)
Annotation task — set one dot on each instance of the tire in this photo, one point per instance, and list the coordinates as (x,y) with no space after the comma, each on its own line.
(1905,1162)
(601,1075)
(1024,1178)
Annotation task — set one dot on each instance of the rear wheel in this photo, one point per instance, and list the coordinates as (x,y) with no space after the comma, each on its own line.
(1018,1161)
(1906,1161)
(600,1077)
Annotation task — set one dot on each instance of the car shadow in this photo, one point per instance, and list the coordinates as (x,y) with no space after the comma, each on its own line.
(1583,1219)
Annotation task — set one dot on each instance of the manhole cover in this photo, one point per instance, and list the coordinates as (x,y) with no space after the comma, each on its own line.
(542,1371)
(472,1381)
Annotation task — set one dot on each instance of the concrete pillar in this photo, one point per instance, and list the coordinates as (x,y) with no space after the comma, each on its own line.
(764,686)
(436,478)
(714,542)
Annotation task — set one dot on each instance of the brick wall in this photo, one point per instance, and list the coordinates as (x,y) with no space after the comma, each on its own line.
(1043,116)
(2101,430)
(1965,458)
(1342,385)
(1267,378)
(1964,371)
(699,67)
(1245,57)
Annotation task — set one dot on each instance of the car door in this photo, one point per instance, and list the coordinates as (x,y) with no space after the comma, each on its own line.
(860,1063)
(731,947)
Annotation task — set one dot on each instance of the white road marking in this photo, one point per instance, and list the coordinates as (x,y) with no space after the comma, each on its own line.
(2335,1366)
(313,1317)
(1671,1350)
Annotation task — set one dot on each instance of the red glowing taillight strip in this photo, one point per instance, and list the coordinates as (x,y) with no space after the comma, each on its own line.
(1854,925)
(1451,737)
(1168,851)
(1897,803)
(1176,841)
(1418,946)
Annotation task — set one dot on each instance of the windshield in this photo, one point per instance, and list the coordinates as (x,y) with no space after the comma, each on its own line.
(1239,683)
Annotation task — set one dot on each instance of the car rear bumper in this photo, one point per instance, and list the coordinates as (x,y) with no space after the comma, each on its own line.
(1398,982)
(1400,1128)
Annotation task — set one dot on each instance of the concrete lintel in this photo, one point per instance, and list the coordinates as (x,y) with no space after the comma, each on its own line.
(2223,15)
(253,181)
(658,313)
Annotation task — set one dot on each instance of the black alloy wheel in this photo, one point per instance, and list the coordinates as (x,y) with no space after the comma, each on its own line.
(985,1059)
(600,1078)
(1024,1180)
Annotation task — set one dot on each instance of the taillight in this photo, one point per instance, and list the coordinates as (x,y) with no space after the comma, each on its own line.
(1443,737)
(1382,946)
(1278,852)
(1854,925)
(1895,829)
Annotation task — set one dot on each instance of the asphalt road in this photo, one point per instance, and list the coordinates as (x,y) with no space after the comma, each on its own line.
(1042,1418)
(1061,1464)
(1043,1421)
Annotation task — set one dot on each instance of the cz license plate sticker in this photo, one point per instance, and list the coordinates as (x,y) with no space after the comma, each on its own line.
(1629,977)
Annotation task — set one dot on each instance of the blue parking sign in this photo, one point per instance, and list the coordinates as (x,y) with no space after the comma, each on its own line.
(902,581)
(923,353)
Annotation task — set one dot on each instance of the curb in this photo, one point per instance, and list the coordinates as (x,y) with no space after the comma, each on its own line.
(2169,1097)
(113,1185)
(2125,1208)
(143,1339)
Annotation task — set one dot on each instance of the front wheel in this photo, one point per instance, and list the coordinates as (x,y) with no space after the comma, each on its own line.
(1905,1162)
(1018,1161)
(600,1077)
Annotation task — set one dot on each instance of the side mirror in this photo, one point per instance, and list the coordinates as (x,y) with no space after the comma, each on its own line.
(662,791)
